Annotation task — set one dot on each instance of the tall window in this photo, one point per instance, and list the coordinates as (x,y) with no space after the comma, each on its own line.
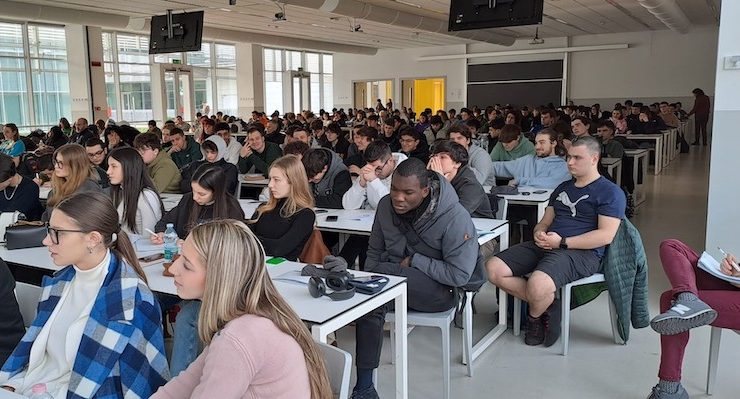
(34,82)
(297,80)
(128,76)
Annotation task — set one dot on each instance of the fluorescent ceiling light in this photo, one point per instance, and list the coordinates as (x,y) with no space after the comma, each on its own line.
(319,26)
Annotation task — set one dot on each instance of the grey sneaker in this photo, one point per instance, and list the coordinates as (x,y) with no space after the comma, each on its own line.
(658,393)
(683,316)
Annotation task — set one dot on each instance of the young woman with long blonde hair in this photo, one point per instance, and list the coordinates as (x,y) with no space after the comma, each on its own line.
(256,346)
(284,224)
(73,173)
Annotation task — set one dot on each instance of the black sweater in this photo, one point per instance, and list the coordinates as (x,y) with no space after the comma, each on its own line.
(180,215)
(284,237)
(11,321)
(24,198)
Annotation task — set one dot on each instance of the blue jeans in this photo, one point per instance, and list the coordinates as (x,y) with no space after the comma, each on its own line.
(186,345)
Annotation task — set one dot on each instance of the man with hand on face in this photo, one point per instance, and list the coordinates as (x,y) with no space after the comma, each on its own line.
(582,217)
(233,147)
(362,139)
(422,233)
(374,180)
(257,153)
(450,160)
(328,178)
(184,149)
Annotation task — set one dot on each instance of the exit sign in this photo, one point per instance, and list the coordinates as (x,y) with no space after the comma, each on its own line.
(176,61)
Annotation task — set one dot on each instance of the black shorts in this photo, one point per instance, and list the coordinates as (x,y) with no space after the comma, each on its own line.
(562,265)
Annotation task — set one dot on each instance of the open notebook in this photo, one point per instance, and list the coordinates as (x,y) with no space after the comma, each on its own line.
(711,266)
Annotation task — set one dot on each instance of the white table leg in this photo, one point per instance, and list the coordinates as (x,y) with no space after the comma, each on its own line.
(658,155)
(541,206)
(619,174)
(401,358)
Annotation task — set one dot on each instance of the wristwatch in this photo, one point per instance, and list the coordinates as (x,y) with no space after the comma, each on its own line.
(563,245)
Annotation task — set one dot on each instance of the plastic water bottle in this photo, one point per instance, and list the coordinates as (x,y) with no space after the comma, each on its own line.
(170,243)
(38,391)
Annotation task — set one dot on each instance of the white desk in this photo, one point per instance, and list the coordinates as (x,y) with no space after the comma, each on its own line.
(637,155)
(659,147)
(360,222)
(614,168)
(531,199)
(326,315)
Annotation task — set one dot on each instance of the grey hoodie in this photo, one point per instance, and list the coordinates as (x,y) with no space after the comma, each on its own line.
(328,192)
(444,226)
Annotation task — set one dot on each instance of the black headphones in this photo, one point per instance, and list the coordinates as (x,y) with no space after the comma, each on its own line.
(338,282)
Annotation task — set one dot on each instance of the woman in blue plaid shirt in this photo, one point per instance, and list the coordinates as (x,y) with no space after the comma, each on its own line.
(98,332)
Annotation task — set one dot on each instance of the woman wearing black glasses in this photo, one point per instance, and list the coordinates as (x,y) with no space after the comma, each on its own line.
(97,318)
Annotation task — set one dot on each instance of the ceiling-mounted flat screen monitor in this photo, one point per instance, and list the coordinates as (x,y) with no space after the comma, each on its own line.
(184,34)
(482,14)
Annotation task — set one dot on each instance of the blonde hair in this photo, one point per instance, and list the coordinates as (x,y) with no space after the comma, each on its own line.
(237,283)
(299,196)
(79,167)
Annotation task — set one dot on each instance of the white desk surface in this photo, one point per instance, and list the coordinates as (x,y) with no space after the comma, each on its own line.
(521,198)
(610,161)
(360,221)
(636,152)
(315,310)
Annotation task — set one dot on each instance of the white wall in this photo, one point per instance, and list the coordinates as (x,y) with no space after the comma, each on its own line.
(723,217)
(397,65)
(658,65)
(79,73)
(249,78)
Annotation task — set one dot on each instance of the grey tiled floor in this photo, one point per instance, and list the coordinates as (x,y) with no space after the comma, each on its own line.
(595,366)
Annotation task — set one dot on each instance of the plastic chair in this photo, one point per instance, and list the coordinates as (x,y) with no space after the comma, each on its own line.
(565,311)
(441,320)
(338,364)
(714,342)
(28,299)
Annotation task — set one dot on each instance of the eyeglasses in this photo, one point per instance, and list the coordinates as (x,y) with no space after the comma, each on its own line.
(58,164)
(54,233)
(95,154)
(379,169)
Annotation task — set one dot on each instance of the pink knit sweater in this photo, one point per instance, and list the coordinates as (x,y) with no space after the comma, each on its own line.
(249,358)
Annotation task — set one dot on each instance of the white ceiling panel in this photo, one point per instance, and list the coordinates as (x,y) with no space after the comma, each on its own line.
(562,18)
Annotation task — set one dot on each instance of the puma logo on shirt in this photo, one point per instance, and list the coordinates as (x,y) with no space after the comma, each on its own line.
(565,200)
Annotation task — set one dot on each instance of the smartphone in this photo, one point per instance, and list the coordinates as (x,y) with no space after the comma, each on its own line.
(539,192)
(366,279)
(151,258)
(332,218)
(525,193)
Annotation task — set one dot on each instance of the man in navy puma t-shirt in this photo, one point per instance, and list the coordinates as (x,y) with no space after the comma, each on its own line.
(582,218)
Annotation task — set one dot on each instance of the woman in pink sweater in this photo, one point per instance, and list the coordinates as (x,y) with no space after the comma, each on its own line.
(256,346)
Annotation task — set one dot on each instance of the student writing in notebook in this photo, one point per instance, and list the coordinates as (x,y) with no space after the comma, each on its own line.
(696,299)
